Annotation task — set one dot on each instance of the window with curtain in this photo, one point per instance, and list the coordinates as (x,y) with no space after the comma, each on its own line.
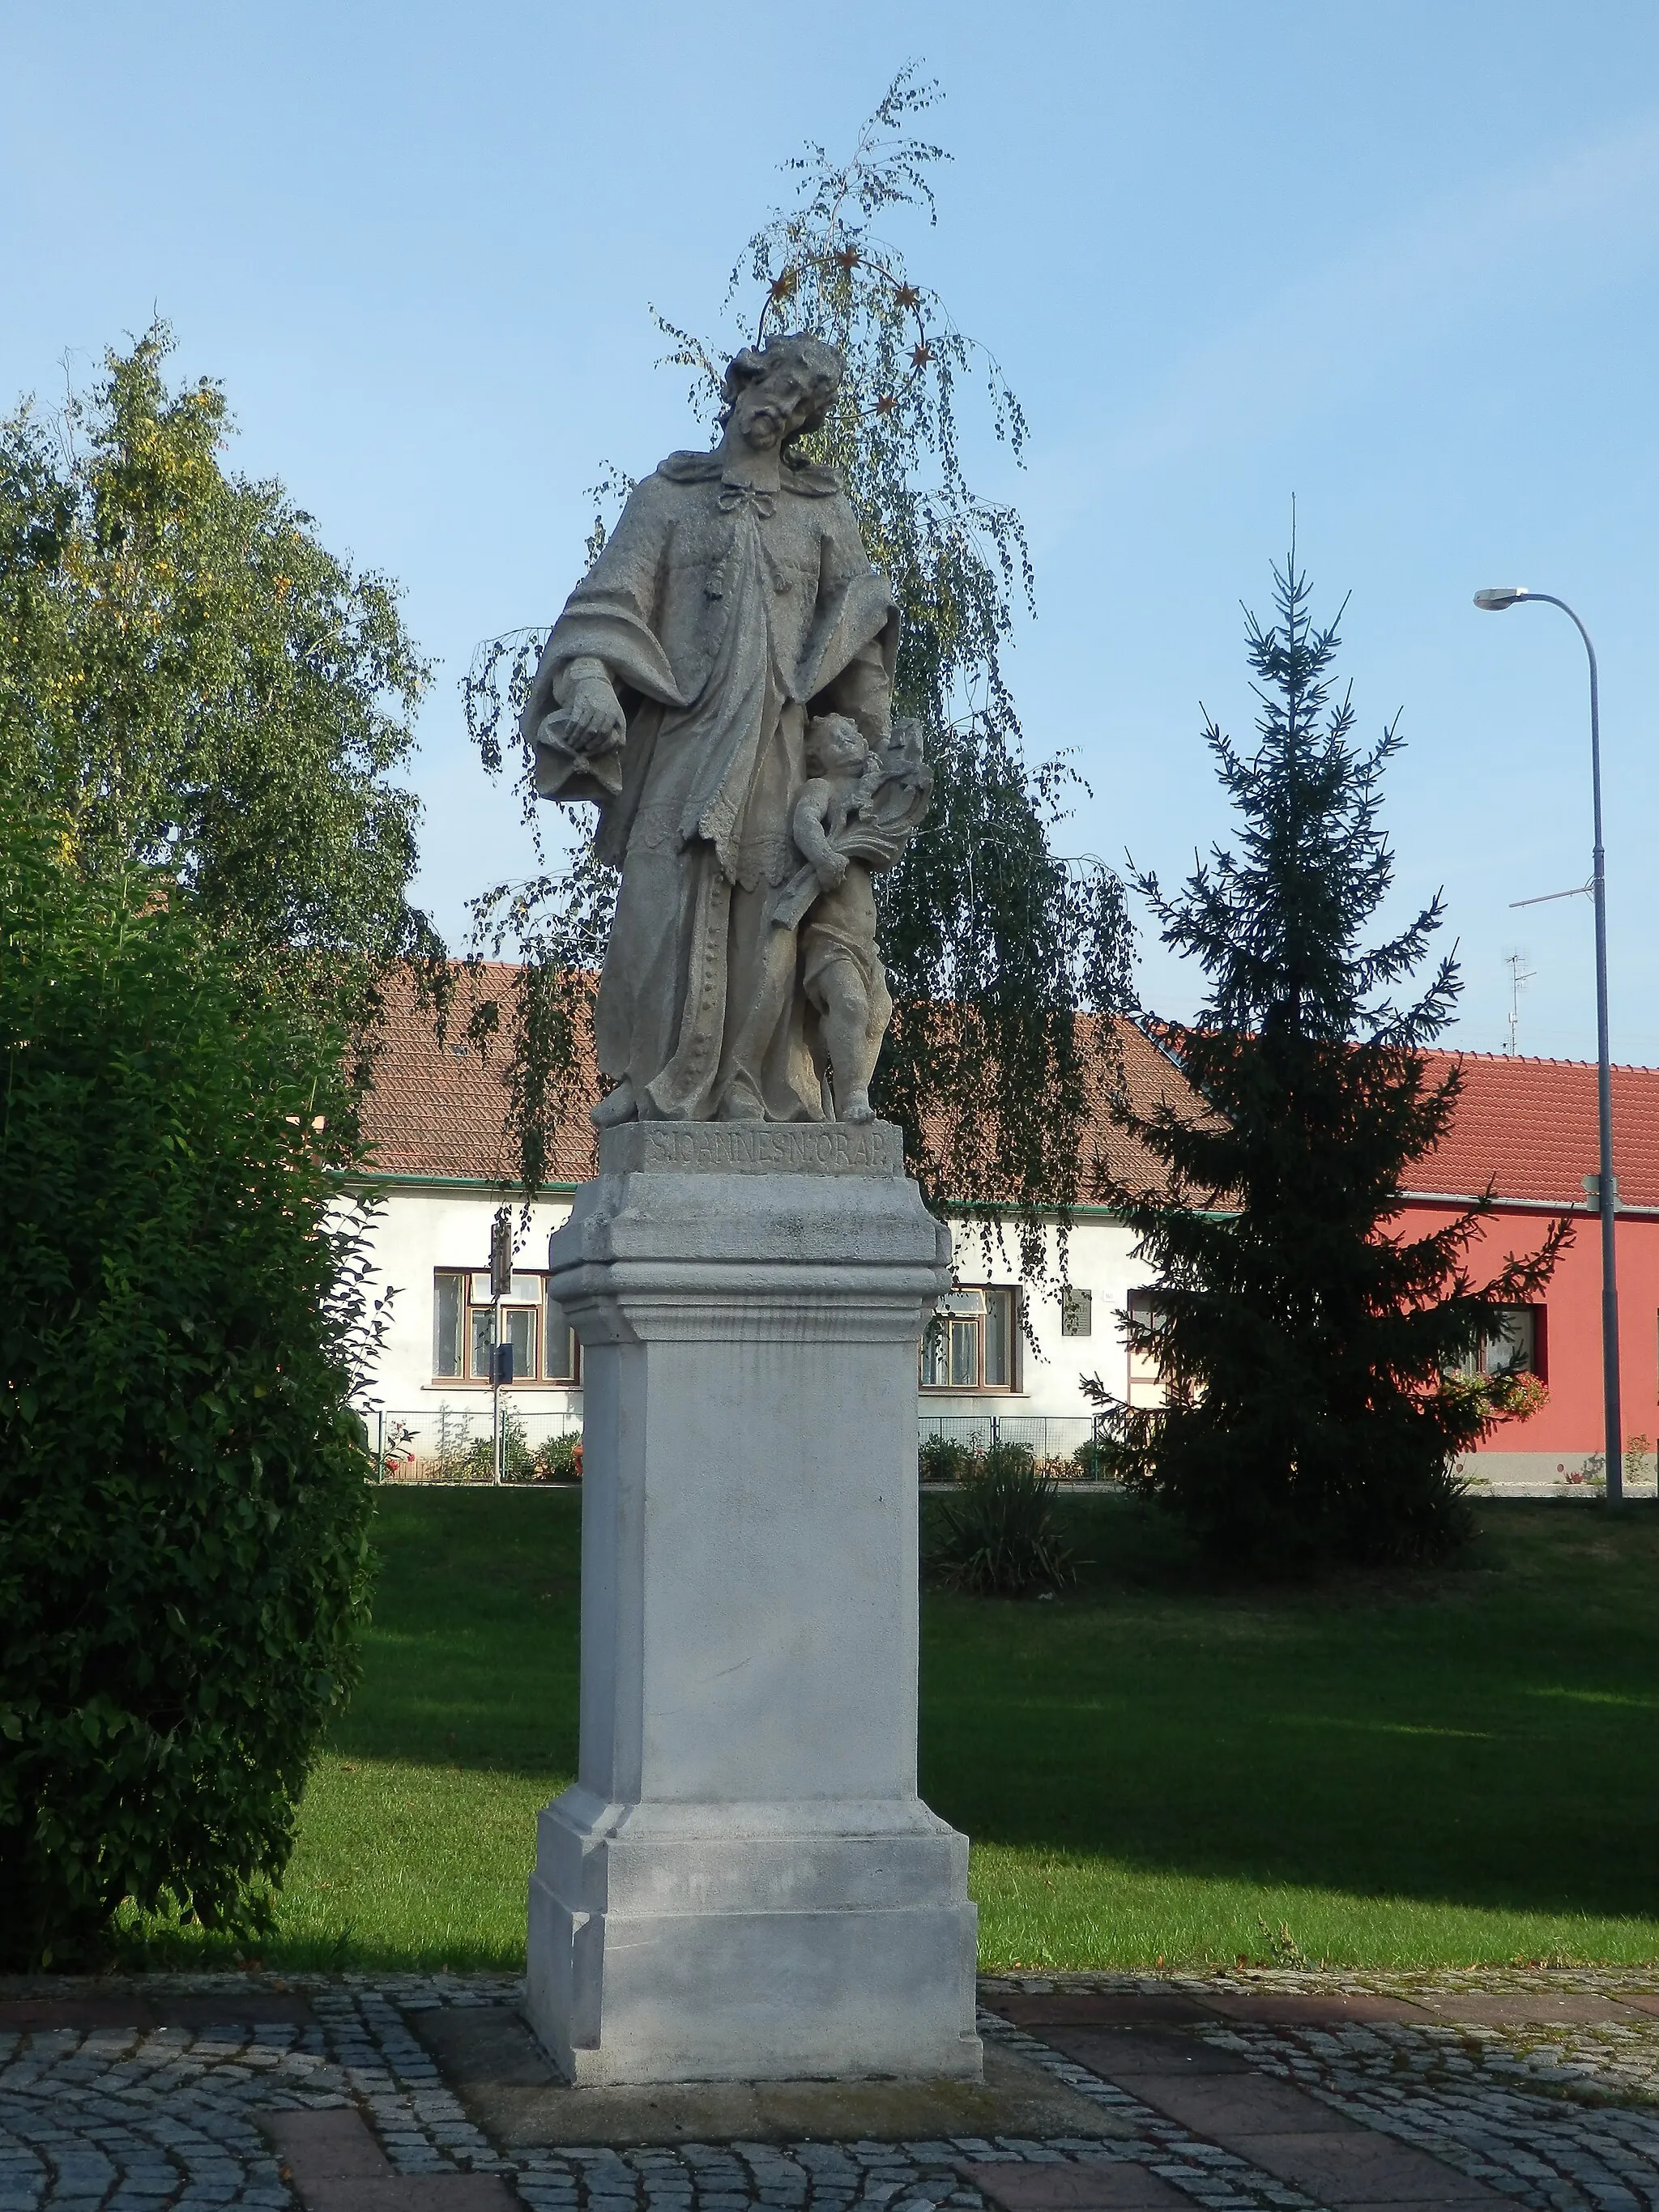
(971,1344)
(464,1325)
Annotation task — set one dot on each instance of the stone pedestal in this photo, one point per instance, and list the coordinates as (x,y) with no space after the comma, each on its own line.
(743,1884)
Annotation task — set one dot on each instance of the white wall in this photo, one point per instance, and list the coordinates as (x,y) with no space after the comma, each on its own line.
(422,1229)
(419,1231)
(1100,1259)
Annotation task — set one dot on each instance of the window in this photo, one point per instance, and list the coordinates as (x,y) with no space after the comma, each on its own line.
(1077,1313)
(1146,1385)
(1516,1347)
(448,1303)
(464,1325)
(560,1342)
(970,1343)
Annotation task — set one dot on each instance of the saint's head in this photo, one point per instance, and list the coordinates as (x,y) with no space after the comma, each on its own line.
(782,390)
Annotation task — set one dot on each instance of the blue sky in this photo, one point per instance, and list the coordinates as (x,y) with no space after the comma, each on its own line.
(1402,264)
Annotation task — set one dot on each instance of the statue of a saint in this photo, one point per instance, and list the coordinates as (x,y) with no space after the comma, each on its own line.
(734,603)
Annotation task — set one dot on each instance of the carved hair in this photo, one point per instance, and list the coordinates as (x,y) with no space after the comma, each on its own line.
(822,364)
(824,726)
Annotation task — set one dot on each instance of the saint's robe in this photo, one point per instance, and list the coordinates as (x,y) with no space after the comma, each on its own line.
(725,615)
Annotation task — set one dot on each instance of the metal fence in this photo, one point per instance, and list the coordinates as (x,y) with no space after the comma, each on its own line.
(1054,1440)
(456,1443)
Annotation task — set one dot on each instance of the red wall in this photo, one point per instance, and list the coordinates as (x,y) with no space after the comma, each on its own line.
(1571,1423)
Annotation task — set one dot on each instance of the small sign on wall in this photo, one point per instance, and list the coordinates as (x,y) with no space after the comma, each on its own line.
(1077,1313)
(501,1253)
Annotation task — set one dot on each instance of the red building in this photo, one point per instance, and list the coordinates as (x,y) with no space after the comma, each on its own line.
(1528,1128)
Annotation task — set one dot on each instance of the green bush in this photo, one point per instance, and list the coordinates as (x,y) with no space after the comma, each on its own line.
(941,1459)
(1001,1537)
(183,1502)
(557,1459)
(1101,1460)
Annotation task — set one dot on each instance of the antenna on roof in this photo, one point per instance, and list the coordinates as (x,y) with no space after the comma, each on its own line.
(1520,976)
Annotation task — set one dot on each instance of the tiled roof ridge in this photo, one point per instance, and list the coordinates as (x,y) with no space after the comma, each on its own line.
(1153,1027)
(439,1111)
(1535,1060)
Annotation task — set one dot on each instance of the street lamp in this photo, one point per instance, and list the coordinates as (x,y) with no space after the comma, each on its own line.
(1607,1188)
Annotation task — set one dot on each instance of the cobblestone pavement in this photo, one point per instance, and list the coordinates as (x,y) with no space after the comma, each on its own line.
(123,2119)
(1548,2114)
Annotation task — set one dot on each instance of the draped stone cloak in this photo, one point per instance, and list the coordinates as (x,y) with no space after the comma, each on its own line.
(725,615)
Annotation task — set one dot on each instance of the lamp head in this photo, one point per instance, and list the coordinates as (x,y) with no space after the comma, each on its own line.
(1504,595)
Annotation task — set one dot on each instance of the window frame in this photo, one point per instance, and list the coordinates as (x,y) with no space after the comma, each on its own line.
(1143,1378)
(536,1309)
(944,1324)
(1476,1362)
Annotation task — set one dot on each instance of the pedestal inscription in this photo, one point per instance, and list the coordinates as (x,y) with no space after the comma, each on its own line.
(743,1883)
(756,1147)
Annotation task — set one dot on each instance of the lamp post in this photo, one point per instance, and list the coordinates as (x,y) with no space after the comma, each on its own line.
(1606,1188)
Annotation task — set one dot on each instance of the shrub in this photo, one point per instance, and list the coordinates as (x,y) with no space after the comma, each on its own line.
(1101,1460)
(183,1484)
(517,1458)
(398,1459)
(557,1459)
(462,1455)
(1002,1536)
(942,1458)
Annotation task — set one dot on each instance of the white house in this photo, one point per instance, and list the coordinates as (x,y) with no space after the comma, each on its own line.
(1005,1350)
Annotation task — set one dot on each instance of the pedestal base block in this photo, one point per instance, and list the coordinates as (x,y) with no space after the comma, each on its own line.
(743,1884)
(705,1943)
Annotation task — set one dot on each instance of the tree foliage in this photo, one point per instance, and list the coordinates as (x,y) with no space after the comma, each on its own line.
(992,943)
(1308,1345)
(190,680)
(183,1508)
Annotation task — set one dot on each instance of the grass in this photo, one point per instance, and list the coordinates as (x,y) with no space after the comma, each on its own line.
(1453,1769)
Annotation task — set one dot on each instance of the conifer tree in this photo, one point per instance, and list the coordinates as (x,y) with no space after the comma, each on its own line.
(1310,1346)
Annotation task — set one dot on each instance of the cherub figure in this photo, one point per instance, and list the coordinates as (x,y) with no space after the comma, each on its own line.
(842,974)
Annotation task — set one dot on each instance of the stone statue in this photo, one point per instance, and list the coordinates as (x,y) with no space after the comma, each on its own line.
(858,811)
(732,608)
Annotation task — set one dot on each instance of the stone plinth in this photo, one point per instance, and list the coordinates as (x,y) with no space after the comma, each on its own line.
(743,1884)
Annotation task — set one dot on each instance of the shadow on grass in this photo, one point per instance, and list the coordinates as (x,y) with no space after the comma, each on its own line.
(1487,1737)
(1394,1769)
(471,1661)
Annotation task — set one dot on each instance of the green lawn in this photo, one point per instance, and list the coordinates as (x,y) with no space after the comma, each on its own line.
(1441,1769)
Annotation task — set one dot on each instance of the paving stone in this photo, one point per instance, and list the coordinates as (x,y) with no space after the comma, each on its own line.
(1362,2169)
(1067,2187)
(1101,2008)
(1523,2007)
(1540,2102)
(1225,2105)
(1115,2052)
(1301,2007)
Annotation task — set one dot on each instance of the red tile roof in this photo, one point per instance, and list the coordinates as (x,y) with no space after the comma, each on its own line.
(1526,1126)
(1529,1126)
(440,1108)
(1114,1157)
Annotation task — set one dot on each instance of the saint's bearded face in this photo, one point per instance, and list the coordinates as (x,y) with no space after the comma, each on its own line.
(768,412)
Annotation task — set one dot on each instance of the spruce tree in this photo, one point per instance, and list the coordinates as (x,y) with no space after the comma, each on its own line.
(1310,1345)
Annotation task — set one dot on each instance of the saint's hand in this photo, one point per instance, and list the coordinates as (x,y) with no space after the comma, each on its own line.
(594,722)
(832,870)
